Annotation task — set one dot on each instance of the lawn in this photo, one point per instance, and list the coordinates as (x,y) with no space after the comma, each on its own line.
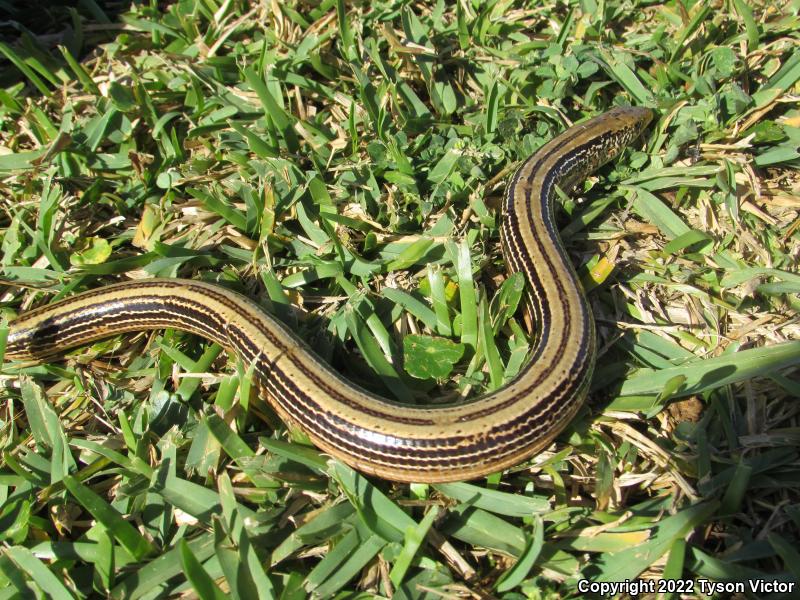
(342,164)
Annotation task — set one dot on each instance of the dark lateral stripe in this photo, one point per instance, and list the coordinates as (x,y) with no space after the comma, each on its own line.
(407,443)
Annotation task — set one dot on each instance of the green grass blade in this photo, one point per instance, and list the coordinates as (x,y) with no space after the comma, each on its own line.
(118,527)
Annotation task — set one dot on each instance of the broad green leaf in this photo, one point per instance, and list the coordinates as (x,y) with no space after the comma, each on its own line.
(428,357)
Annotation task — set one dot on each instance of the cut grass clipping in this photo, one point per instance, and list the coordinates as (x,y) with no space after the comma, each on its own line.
(341,163)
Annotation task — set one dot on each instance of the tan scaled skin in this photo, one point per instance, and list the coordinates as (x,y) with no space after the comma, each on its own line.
(372,434)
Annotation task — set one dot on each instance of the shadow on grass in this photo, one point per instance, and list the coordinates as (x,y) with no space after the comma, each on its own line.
(33,31)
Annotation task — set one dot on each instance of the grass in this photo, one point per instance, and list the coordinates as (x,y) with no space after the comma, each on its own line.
(342,164)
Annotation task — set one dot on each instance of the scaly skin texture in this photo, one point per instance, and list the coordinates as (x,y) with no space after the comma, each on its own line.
(402,443)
